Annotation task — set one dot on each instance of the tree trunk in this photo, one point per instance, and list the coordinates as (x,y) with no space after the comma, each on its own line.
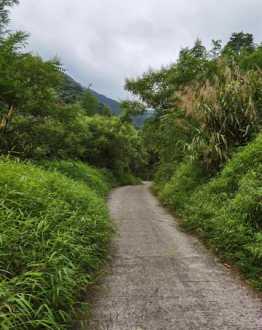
(6,118)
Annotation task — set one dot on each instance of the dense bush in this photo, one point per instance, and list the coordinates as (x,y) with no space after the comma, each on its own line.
(207,103)
(176,192)
(228,109)
(211,197)
(104,142)
(98,180)
(232,225)
(226,210)
(54,233)
(114,145)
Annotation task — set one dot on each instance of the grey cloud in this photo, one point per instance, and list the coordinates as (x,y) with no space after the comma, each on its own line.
(102,42)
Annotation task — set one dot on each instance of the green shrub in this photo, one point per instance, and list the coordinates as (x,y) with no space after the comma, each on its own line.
(227,211)
(229,113)
(54,234)
(127,178)
(209,198)
(163,175)
(177,192)
(99,180)
(234,228)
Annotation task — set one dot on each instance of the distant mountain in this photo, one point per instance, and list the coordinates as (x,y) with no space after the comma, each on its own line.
(72,91)
(112,104)
(139,120)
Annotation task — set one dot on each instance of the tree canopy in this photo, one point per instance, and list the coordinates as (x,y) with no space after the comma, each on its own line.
(212,97)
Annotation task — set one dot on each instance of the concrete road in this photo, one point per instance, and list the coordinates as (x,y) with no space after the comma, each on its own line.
(162,278)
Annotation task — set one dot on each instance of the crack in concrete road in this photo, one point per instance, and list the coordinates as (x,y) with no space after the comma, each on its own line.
(162,279)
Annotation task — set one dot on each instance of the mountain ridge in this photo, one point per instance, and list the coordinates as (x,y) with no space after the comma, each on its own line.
(72,91)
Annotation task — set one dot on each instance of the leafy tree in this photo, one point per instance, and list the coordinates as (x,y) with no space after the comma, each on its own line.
(158,89)
(4,19)
(130,109)
(199,51)
(113,144)
(38,122)
(27,83)
(153,89)
(252,61)
(104,110)
(89,103)
(207,104)
(215,52)
(239,42)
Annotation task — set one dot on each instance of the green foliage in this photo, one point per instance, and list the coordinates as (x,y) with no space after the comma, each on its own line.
(89,103)
(60,134)
(227,209)
(152,88)
(233,226)
(27,95)
(130,109)
(229,113)
(37,124)
(98,180)
(71,91)
(225,185)
(27,83)
(252,61)
(113,144)
(192,65)
(4,19)
(106,142)
(177,191)
(53,236)
(205,144)
(45,115)
(55,226)
(210,100)
(104,110)
(215,51)
(239,42)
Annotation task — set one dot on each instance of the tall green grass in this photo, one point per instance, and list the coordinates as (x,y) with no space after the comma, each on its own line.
(100,181)
(177,191)
(226,210)
(53,236)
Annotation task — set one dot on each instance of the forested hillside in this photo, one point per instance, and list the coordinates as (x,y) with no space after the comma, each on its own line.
(73,91)
(205,144)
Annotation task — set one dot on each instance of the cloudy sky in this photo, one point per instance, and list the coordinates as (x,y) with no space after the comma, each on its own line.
(104,41)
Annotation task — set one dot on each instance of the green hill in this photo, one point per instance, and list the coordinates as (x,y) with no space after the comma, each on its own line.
(72,90)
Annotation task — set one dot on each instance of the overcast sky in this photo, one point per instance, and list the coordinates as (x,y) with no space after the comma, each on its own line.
(104,41)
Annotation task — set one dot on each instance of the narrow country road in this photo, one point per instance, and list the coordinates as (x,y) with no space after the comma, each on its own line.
(162,278)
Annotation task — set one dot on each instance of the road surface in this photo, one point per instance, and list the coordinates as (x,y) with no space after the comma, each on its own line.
(161,278)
